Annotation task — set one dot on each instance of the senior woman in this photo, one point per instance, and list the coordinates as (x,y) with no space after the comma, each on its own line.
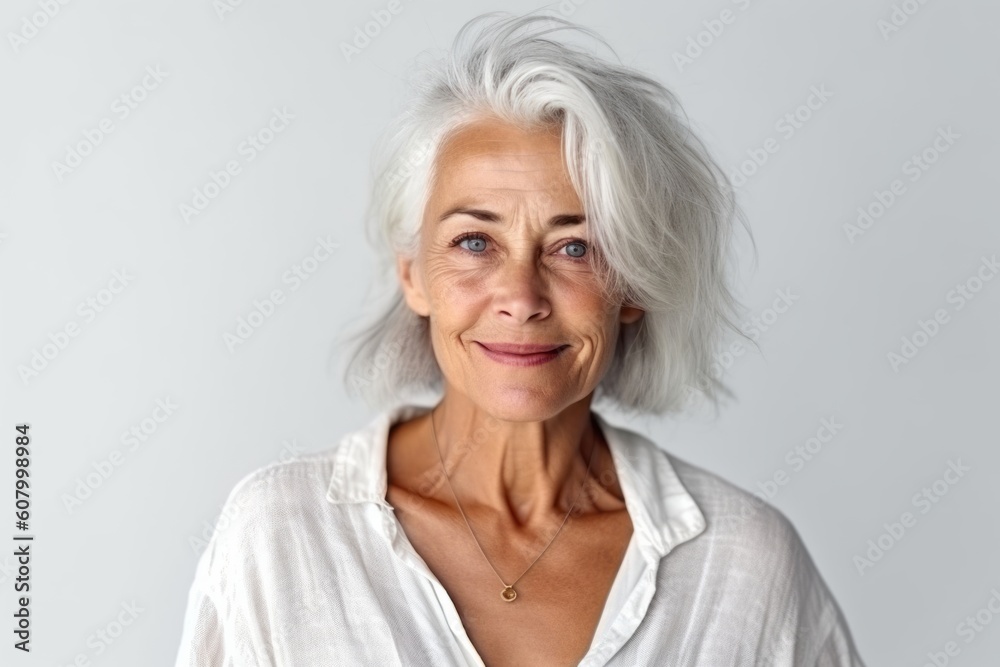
(559,237)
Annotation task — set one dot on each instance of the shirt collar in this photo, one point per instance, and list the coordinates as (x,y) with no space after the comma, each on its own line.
(663,513)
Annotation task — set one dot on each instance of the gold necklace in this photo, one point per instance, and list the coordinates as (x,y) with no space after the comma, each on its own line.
(508,594)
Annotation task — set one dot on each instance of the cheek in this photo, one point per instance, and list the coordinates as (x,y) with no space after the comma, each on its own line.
(560,277)
(581,295)
(455,291)
(592,317)
(599,338)
(459,290)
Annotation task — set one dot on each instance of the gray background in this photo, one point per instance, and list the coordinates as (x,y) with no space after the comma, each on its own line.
(134,539)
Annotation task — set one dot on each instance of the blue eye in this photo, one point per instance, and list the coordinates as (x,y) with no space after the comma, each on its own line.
(477,244)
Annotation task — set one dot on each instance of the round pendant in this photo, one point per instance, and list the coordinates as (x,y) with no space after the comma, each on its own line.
(508,594)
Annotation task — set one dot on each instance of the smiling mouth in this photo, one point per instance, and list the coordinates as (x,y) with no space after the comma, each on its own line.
(512,354)
(521,348)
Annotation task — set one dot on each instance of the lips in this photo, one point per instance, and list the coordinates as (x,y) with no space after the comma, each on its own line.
(522,355)
(521,348)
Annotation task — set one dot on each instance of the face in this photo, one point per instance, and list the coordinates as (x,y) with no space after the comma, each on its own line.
(502,263)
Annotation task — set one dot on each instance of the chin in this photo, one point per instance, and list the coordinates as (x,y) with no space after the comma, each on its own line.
(521,404)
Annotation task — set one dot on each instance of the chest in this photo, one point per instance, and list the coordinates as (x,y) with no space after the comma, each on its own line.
(560,597)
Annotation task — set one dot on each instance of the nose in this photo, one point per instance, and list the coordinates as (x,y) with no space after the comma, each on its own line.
(520,293)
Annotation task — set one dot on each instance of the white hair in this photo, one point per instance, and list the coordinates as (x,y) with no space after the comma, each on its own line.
(659,208)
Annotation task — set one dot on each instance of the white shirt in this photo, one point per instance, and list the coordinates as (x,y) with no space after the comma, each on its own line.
(313,568)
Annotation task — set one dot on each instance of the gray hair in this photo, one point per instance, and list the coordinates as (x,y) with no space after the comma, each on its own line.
(659,207)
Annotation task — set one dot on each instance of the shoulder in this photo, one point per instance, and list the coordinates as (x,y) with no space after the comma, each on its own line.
(707,512)
(733,512)
(745,533)
(723,509)
(294,471)
(750,535)
(762,555)
(286,482)
(264,502)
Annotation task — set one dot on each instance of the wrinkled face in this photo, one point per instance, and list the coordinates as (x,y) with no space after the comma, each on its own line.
(501,264)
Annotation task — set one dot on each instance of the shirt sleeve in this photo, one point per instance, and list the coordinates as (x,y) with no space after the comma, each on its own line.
(207,638)
(202,642)
(815,632)
(222,622)
(838,648)
(835,647)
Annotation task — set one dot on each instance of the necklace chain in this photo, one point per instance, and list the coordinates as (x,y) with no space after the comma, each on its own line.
(508,594)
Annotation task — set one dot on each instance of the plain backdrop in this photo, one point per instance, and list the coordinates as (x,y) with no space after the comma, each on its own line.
(98,244)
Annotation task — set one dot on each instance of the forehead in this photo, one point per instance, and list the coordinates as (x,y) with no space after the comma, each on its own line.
(495,154)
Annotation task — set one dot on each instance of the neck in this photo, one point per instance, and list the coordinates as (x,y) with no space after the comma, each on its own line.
(529,471)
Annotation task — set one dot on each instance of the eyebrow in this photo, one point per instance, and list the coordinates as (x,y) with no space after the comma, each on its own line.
(561,220)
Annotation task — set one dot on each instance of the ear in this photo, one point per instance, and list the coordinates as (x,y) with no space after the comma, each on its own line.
(413,290)
(631,314)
